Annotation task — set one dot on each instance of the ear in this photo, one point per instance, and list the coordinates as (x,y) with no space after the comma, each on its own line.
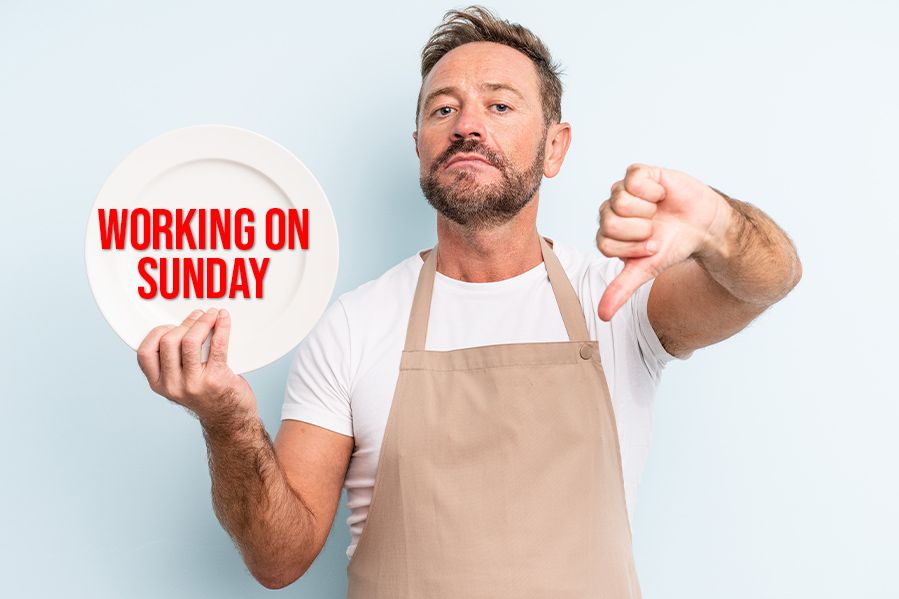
(415,139)
(558,138)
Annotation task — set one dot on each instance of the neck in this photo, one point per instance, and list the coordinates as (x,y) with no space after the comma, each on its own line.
(483,256)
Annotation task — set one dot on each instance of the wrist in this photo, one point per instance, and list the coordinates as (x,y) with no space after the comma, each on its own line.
(232,415)
(717,243)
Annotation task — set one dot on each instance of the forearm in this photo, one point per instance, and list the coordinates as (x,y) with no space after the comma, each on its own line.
(254,503)
(749,255)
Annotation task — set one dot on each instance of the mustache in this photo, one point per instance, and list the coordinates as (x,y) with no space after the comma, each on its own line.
(471,146)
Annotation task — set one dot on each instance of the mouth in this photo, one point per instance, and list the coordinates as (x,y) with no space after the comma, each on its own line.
(463,160)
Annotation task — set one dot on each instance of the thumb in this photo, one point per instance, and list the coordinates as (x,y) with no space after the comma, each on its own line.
(636,272)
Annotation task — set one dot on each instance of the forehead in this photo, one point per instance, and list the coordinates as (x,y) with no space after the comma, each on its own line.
(470,65)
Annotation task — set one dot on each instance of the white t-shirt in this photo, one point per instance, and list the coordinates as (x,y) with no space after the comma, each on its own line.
(345,371)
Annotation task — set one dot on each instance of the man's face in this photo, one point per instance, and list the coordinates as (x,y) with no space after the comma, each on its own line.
(481,100)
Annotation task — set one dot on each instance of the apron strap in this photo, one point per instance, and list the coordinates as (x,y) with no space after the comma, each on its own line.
(566,297)
(569,305)
(417,331)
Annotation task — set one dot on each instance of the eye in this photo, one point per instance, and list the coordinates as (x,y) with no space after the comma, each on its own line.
(504,107)
(442,108)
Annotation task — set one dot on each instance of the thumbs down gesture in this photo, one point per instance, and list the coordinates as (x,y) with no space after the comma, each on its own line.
(654,219)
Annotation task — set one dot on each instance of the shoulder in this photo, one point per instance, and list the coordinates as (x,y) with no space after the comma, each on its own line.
(376,309)
(384,289)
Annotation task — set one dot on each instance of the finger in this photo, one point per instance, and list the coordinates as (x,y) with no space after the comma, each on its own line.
(625,228)
(148,353)
(645,182)
(635,273)
(170,346)
(603,209)
(614,248)
(191,344)
(625,204)
(218,347)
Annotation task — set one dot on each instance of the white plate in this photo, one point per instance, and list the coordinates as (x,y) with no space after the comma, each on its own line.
(218,167)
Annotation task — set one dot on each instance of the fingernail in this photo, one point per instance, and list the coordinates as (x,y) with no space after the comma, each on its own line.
(223,314)
(195,313)
(651,246)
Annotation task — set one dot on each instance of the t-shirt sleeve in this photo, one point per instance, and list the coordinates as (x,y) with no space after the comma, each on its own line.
(655,356)
(318,380)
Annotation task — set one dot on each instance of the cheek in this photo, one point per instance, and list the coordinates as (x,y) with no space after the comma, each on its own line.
(517,159)
(427,156)
(526,155)
(516,152)
(428,164)
(425,161)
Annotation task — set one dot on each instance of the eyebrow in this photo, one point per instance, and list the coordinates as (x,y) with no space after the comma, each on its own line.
(451,90)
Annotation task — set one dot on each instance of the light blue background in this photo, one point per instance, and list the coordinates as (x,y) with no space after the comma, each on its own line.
(773,468)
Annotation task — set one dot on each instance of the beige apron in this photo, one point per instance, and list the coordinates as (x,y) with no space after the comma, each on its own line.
(499,475)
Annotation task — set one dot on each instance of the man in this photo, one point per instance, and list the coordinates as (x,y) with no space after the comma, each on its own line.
(463,397)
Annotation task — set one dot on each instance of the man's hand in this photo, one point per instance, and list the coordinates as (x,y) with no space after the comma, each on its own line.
(170,357)
(655,219)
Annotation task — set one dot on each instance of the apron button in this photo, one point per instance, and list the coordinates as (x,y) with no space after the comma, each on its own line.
(586,352)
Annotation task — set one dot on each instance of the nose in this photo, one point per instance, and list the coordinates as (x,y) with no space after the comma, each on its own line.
(469,123)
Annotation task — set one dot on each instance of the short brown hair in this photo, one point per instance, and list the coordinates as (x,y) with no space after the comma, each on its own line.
(478,24)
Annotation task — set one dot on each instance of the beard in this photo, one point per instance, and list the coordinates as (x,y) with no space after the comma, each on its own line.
(475,206)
